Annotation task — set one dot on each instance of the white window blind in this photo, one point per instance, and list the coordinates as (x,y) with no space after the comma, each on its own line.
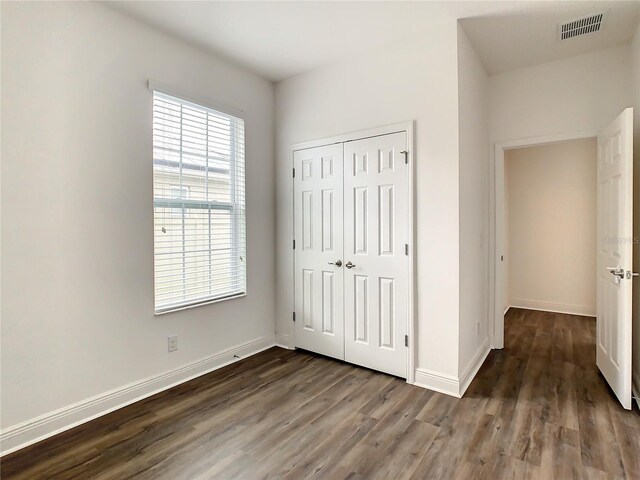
(198,204)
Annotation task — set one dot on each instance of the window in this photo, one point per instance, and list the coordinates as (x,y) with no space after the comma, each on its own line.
(198,204)
(177,192)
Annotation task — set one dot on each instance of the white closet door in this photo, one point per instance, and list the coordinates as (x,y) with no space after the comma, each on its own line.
(318,212)
(375,234)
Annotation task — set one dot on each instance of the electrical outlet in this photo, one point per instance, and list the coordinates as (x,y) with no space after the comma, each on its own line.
(173,343)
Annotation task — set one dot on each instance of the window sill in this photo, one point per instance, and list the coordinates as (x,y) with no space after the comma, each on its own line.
(199,304)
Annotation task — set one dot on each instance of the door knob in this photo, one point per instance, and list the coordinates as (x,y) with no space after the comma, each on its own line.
(337,263)
(618,272)
(349,265)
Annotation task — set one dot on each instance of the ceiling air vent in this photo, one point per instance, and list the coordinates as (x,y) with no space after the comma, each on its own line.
(581,26)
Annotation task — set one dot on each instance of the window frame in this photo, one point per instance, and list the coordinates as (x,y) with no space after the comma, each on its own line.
(187,203)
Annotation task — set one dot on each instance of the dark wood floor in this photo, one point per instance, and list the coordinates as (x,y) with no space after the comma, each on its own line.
(537,409)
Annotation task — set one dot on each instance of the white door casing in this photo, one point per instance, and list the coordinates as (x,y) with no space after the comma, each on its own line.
(318,285)
(614,262)
(376,215)
(498,277)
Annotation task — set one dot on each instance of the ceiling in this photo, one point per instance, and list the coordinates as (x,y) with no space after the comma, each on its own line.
(281,39)
(515,40)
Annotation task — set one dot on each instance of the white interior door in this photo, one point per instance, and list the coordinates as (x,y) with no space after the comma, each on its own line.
(318,212)
(375,233)
(615,234)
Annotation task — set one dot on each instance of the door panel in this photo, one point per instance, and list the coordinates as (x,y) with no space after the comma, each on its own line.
(375,232)
(318,212)
(360,231)
(615,234)
(361,311)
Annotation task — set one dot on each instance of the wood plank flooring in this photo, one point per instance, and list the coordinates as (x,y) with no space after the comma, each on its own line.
(537,409)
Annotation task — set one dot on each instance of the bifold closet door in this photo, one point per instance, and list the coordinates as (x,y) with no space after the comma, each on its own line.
(376,230)
(318,216)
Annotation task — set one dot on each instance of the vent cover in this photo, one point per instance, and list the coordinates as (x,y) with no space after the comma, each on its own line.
(581,26)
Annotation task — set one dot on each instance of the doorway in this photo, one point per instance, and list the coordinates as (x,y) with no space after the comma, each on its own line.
(352,249)
(613,252)
(550,227)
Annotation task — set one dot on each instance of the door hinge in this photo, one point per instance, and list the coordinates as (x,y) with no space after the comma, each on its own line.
(294,173)
(406,340)
(406,156)
(294,316)
(294,244)
(406,249)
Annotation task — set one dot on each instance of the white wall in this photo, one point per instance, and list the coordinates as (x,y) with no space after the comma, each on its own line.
(635,72)
(77,236)
(551,233)
(474,206)
(582,93)
(412,80)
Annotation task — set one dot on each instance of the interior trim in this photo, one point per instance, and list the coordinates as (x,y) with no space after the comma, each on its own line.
(283,341)
(474,366)
(439,382)
(39,428)
(570,309)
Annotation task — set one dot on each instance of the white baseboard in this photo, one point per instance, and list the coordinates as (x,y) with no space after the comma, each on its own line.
(582,310)
(476,362)
(447,384)
(635,387)
(282,341)
(34,430)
